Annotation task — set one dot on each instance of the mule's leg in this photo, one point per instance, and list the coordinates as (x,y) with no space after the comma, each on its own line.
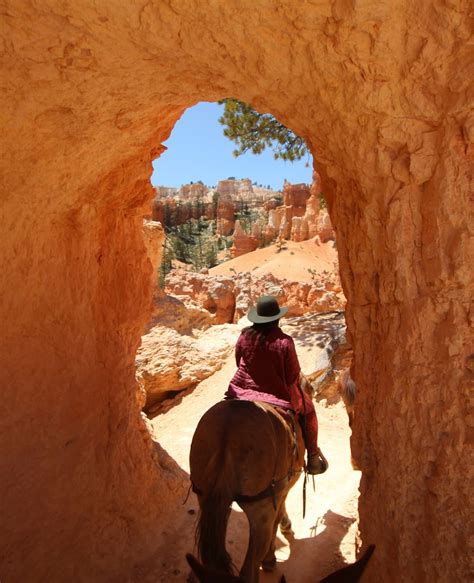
(269,561)
(262,518)
(285,522)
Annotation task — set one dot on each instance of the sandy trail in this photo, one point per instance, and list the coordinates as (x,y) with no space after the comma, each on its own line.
(323,541)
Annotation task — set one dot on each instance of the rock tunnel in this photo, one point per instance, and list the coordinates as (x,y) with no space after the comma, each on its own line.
(380,92)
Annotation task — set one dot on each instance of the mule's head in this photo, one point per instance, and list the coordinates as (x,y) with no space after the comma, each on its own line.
(208,575)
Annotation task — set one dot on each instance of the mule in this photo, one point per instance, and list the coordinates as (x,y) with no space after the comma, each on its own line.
(251,453)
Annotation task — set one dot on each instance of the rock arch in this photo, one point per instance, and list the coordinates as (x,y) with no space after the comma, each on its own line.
(380,92)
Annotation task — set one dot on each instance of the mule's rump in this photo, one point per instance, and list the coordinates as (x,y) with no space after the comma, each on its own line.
(243,450)
(251,435)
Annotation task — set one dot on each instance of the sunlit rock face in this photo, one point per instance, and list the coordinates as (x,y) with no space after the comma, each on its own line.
(235,188)
(154,237)
(294,205)
(227,299)
(214,293)
(225,214)
(163,372)
(313,206)
(381,93)
(241,242)
(299,229)
(324,228)
(295,197)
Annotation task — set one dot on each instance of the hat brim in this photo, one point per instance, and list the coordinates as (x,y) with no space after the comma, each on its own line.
(256,319)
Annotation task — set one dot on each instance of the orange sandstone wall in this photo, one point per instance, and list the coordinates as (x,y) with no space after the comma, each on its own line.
(380,92)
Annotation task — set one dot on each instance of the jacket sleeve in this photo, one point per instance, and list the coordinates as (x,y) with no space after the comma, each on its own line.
(292,366)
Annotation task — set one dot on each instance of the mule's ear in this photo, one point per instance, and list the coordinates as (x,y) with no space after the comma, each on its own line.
(195,565)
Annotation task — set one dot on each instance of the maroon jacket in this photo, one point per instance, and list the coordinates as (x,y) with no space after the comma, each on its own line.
(266,371)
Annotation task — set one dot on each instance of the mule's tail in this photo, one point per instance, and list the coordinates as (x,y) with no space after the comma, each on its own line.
(215,504)
(351,573)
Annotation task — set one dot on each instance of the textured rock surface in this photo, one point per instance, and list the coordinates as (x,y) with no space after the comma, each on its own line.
(324,229)
(174,206)
(235,188)
(225,215)
(213,293)
(154,237)
(313,206)
(180,313)
(227,299)
(381,93)
(241,242)
(191,360)
(299,229)
(295,197)
(274,222)
(193,191)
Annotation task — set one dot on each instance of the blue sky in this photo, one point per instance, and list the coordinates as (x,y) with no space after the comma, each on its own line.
(198,150)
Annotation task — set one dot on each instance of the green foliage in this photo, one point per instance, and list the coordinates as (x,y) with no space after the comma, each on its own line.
(313,273)
(215,203)
(211,256)
(195,243)
(255,131)
(280,245)
(322,201)
(166,265)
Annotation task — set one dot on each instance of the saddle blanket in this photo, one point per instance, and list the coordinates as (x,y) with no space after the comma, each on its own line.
(250,395)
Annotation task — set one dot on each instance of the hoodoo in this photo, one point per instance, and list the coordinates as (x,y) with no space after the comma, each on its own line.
(380,92)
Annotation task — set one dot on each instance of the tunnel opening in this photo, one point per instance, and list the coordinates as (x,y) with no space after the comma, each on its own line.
(186,359)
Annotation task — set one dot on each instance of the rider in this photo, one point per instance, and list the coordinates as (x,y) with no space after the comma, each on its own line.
(268,370)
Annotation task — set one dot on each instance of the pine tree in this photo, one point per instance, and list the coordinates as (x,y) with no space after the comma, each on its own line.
(255,131)
(166,263)
(211,255)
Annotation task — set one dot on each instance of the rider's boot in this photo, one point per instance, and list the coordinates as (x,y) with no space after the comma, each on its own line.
(317,463)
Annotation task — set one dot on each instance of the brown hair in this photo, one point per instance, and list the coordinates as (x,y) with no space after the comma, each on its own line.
(259,332)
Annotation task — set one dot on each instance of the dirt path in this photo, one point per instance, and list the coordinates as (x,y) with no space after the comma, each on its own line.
(323,541)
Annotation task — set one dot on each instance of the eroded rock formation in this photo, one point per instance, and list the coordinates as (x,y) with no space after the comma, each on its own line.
(241,242)
(235,188)
(227,299)
(193,358)
(175,206)
(311,215)
(294,199)
(300,217)
(225,214)
(324,229)
(299,229)
(154,237)
(381,93)
(213,293)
